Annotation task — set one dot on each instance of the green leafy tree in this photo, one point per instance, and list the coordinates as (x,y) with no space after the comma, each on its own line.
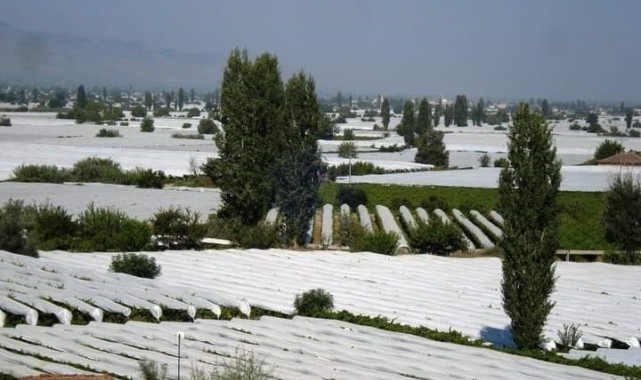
(629,113)
(169,97)
(13,227)
(147,125)
(592,119)
(528,189)
(385,113)
(252,105)
(81,97)
(608,148)
(406,128)
(347,150)
(478,113)
(180,99)
(299,164)
(424,118)
(139,111)
(622,215)
(431,149)
(460,111)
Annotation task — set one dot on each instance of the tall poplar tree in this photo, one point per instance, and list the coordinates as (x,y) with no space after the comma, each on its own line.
(385,113)
(252,104)
(460,111)
(180,99)
(149,100)
(423,120)
(81,97)
(299,164)
(406,128)
(438,112)
(528,189)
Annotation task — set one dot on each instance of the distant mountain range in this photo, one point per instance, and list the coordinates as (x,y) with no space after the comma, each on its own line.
(48,59)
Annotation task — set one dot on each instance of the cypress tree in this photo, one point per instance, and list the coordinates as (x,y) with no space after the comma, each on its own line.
(81,97)
(528,189)
(431,149)
(438,112)
(423,121)
(180,99)
(149,101)
(448,113)
(385,113)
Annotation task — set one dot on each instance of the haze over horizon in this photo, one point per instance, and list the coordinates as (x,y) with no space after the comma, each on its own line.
(560,50)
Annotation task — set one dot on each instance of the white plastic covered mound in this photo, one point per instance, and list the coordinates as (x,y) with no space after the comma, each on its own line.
(301,348)
(438,292)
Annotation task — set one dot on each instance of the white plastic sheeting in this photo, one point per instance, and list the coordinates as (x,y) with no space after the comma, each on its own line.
(11,306)
(366,220)
(422,215)
(301,348)
(407,216)
(327,227)
(345,210)
(389,225)
(272,215)
(495,216)
(472,229)
(63,315)
(497,232)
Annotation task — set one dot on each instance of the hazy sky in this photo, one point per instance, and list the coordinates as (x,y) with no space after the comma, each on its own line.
(559,49)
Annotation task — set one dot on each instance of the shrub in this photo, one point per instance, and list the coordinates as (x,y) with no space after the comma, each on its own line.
(569,336)
(139,265)
(139,111)
(575,127)
(207,127)
(147,125)
(378,242)
(347,150)
(351,196)
(161,112)
(96,169)
(622,215)
(124,123)
(350,231)
(260,236)
(193,112)
(108,133)
(436,237)
(634,133)
(13,229)
(357,168)
(40,173)
(186,125)
(484,160)
(243,366)
(189,136)
(501,162)
(5,121)
(636,124)
(144,178)
(313,301)
(348,134)
(102,229)
(178,228)
(391,148)
(53,227)
(431,149)
(150,370)
(608,148)
(500,128)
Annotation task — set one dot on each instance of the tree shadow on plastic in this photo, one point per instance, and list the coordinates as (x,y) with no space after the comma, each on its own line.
(496,336)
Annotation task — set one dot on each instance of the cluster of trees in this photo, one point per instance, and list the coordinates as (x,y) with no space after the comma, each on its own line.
(268,154)
(94,111)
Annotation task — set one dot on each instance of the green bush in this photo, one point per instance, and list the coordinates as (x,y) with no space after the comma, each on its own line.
(5,121)
(260,236)
(501,162)
(144,178)
(347,150)
(124,123)
(575,127)
(14,229)
(313,301)
(186,125)
(378,242)
(139,265)
(243,366)
(436,237)
(53,227)
(102,229)
(351,196)
(178,228)
(40,173)
(147,125)
(433,202)
(193,112)
(391,149)
(108,133)
(96,169)
(350,231)
(161,112)
(357,168)
(189,136)
(348,134)
(139,111)
(150,370)
(207,127)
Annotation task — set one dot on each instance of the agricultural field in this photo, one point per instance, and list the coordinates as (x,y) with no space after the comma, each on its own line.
(65,312)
